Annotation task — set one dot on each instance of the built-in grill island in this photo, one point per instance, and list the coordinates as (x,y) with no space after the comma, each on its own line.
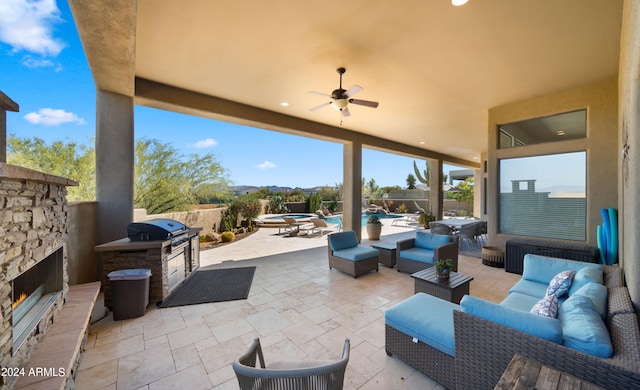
(168,248)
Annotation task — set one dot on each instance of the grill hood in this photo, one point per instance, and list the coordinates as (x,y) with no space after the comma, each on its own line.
(155,229)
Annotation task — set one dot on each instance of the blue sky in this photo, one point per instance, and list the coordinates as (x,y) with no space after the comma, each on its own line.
(44,70)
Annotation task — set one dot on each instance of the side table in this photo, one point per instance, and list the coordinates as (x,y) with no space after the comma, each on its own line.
(452,289)
(524,373)
(386,252)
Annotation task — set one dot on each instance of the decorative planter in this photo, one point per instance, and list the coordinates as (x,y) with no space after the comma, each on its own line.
(493,256)
(443,273)
(374,230)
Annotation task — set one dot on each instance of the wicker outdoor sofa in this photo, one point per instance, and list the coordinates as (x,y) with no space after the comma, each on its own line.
(483,349)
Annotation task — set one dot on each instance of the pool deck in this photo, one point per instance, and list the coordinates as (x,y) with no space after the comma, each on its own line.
(297,306)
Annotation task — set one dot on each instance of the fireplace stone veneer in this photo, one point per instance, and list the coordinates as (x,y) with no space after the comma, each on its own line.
(33,226)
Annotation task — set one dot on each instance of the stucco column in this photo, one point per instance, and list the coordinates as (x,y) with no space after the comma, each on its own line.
(629,141)
(114,164)
(352,187)
(435,188)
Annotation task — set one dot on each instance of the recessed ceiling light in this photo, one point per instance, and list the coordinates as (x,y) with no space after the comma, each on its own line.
(458,3)
(284,104)
(422,142)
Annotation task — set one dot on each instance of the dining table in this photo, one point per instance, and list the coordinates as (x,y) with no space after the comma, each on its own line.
(457,223)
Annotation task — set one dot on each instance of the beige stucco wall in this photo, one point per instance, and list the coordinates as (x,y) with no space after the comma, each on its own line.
(629,140)
(82,265)
(600,100)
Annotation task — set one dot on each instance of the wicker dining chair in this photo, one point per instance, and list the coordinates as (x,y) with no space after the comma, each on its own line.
(440,228)
(299,374)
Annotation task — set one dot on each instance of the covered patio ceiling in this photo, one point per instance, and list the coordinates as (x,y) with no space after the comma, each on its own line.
(434,68)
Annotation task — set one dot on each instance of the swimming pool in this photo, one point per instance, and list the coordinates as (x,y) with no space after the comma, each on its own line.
(338,218)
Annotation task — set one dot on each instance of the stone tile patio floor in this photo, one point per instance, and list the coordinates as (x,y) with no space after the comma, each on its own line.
(297,306)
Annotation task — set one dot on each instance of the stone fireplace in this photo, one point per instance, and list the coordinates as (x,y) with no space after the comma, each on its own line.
(33,260)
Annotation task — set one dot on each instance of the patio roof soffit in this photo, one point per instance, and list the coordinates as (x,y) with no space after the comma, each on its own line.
(165,97)
(108,33)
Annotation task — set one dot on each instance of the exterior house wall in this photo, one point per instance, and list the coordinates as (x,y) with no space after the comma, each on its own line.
(600,99)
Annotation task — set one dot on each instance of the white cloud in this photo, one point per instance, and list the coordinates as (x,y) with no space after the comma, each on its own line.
(28,25)
(51,117)
(205,143)
(266,165)
(31,62)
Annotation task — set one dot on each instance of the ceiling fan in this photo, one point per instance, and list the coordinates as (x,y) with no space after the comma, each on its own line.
(340,98)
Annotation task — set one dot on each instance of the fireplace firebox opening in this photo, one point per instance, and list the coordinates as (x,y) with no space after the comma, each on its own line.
(33,293)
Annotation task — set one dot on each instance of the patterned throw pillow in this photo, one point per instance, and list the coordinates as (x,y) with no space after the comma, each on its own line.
(560,283)
(547,306)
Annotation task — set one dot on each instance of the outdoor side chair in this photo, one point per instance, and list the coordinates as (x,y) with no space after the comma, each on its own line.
(298,374)
(440,228)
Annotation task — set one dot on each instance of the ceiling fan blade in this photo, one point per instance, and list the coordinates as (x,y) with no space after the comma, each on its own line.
(353,90)
(316,108)
(345,112)
(367,103)
(319,94)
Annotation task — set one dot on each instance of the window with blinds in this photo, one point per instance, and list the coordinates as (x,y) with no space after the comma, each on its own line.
(544,196)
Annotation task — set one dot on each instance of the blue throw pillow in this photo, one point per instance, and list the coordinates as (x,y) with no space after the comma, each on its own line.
(560,283)
(547,306)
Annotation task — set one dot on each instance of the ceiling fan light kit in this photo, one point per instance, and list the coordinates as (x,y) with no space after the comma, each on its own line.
(341,98)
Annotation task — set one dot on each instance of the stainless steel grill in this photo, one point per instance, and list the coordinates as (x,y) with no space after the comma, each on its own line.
(158,229)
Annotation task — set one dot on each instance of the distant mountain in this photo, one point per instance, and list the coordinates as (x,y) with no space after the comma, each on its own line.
(246,189)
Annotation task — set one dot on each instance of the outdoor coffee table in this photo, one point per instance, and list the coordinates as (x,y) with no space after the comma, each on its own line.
(452,289)
(386,252)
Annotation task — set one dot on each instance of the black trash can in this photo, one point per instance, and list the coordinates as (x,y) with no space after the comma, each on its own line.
(129,292)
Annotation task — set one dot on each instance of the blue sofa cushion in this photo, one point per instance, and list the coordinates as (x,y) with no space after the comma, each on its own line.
(418,254)
(519,301)
(426,240)
(583,328)
(597,293)
(426,318)
(542,269)
(584,276)
(343,240)
(356,253)
(560,283)
(547,306)
(539,326)
(527,287)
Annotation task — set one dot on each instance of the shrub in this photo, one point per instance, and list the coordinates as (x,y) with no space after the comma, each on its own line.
(373,219)
(227,236)
(314,202)
(277,205)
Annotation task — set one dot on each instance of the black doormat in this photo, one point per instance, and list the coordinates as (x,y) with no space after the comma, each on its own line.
(216,285)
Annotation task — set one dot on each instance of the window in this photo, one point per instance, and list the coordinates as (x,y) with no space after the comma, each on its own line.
(544,196)
(561,127)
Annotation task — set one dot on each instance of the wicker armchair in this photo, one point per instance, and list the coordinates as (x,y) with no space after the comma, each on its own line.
(446,251)
(305,374)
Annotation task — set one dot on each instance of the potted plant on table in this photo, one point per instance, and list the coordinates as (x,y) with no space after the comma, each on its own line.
(443,268)
(374,227)
(425,218)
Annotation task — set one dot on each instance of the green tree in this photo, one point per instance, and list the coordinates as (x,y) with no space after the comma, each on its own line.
(246,206)
(411,182)
(466,195)
(65,159)
(165,181)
